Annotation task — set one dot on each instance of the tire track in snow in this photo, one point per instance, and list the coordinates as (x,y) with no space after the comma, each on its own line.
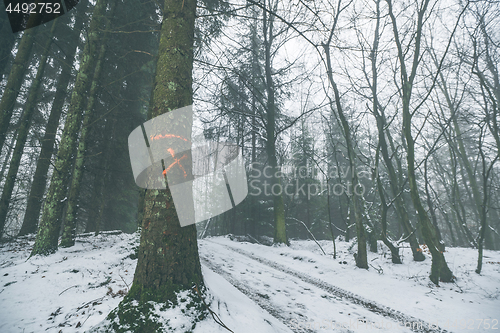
(371,306)
(255,296)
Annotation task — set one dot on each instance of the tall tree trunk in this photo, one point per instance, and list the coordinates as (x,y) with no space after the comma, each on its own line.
(15,80)
(168,254)
(23,130)
(39,183)
(409,231)
(330,223)
(251,200)
(439,268)
(484,206)
(69,230)
(278,203)
(50,223)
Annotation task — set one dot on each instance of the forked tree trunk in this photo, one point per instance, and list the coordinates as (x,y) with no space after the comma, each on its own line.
(395,183)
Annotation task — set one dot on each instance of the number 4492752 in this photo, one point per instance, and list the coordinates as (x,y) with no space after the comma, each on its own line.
(33,8)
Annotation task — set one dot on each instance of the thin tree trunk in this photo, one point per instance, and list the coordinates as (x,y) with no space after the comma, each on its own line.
(396,259)
(361,256)
(484,206)
(9,151)
(432,212)
(330,223)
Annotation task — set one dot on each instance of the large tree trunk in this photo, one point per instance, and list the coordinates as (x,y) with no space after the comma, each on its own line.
(22,134)
(50,223)
(39,184)
(168,254)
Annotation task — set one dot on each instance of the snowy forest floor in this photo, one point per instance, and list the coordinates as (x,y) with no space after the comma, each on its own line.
(254,288)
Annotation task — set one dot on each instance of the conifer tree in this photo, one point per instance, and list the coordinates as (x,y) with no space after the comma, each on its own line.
(50,223)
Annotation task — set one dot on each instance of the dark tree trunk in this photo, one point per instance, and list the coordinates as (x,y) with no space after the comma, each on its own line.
(278,204)
(168,254)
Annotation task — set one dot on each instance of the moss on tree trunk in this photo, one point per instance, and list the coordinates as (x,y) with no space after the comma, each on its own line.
(69,231)
(168,259)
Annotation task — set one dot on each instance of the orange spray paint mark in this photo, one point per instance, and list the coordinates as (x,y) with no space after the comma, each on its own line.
(167,136)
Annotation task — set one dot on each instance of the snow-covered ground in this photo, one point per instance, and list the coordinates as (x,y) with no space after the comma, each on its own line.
(254,288)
